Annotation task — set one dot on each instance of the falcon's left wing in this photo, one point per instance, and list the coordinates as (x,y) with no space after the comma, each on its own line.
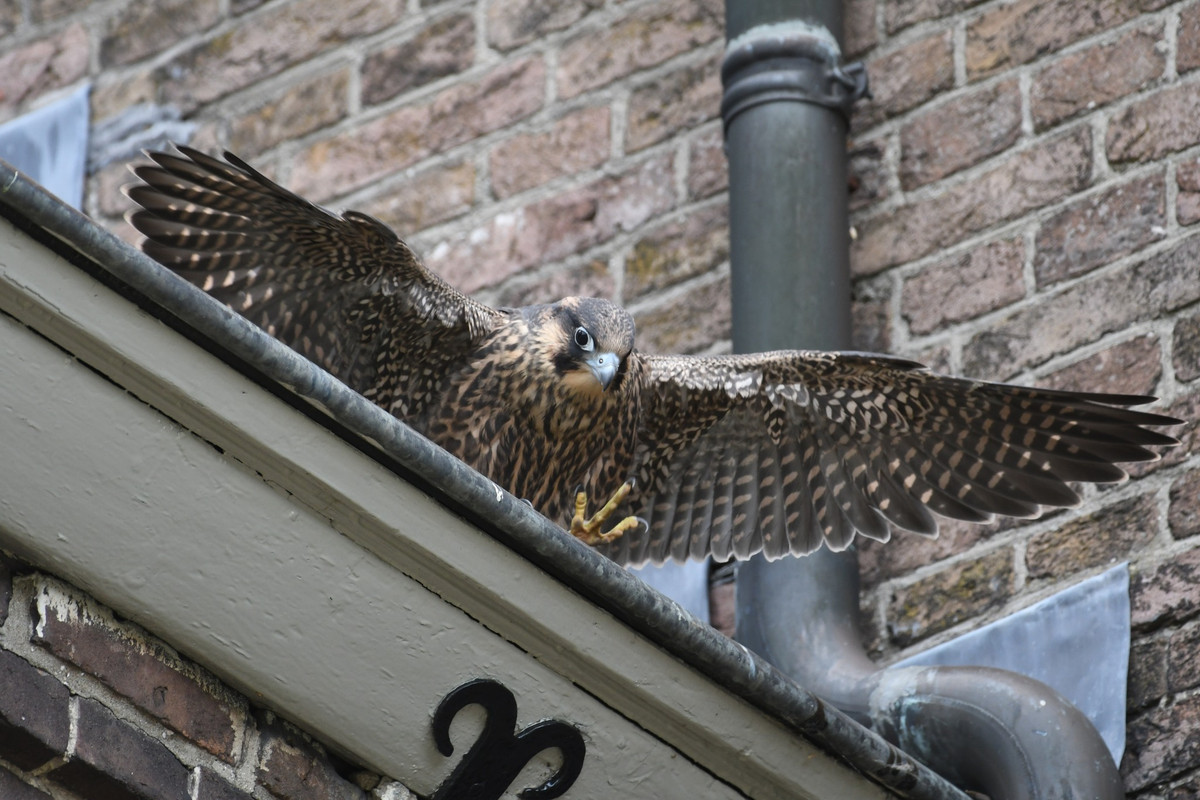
(782,451)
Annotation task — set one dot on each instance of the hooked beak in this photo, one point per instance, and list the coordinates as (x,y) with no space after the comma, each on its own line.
(603,367)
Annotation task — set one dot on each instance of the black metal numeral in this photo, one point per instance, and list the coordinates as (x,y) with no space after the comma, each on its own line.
(497,756)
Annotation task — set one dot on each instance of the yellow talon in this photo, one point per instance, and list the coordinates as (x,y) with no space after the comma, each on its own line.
(588,530)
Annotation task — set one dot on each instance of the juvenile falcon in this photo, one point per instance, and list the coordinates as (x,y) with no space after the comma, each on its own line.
(732,455)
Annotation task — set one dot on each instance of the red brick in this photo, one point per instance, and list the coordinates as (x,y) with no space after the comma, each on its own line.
(1185,408)
(575,143)
(13,788)
(694,320)
(292,768)
(1097,75)
(453,117)
(1187,203)
(113,760)
(1132,367)
(678,250)
(950,596)
(959,133)
(1023,181)
(426,198)
(899,14)
(907,551)
(646,37)
(593,278)
(1187,39)
(953,290)
(1186,348)
(286,34)
(1156,126)
(1104,537)
(42,66)
(1183,661)
(1015,33)
(1100,229)
(678,100)
(867,179)
(1085,311)
(301,108)
(858,27)
(708,169)
(1147,673)
(516,22)
(1161,744)
(554,228)
(146,673)
(871,320)
(140,30)
(1184,511)
(50,10)
(445,47)
(34,721)
(907,77)
(1166,593)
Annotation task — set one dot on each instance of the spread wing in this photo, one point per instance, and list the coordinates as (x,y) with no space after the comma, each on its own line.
(343,291)
(782,451)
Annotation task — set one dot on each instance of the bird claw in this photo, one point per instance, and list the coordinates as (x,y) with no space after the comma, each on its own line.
(590,530)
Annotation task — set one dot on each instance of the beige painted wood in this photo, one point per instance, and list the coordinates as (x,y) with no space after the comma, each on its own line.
(311,577)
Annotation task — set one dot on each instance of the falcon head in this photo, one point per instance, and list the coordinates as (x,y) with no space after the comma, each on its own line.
(588,340)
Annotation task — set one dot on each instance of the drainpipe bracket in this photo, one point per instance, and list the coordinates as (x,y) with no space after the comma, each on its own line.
(793,61)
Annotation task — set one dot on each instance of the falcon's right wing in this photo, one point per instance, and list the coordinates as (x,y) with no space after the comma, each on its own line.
(343,291)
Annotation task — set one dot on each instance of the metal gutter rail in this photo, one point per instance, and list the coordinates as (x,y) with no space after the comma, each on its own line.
(295,379)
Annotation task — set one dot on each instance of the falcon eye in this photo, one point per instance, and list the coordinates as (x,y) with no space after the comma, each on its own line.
(583,340)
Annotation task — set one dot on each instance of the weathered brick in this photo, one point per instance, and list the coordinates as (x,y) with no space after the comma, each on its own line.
(708,169)
(516,22)
(577,142)
(41,66)
(1147,673)
(867,172)
(454,116)
(1183,514)
(6,576)
(112,760)
(1155,126)
(592,278)
(1187,39)
(1187,201)
(445,47)
(302,108)
(1132,367)
(1183,660)
(680,99)
(1187,409)
(905,78)
(646,37)
(1186,348)
(213,787)
(899,14)
(950,291)
(677,251)
(143,29)
(907,551)
(153,678)
(291,768)
(1015,33)
(950,596)
(1096,76)
(286,34)
(871,320)
(1022,182)
(34,721)
(1100,229)
(1164,742)
(10,16)
(41,11)
(111,95)
(1166,593)
(1061,321)
(858,27)
(426,198)
(13,788)
(959,133)
(1103,537)
(551,229)
(694,320)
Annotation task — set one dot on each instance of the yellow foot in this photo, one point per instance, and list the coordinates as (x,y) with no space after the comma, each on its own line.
(589,531)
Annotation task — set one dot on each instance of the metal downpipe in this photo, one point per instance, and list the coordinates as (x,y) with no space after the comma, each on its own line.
(785,111)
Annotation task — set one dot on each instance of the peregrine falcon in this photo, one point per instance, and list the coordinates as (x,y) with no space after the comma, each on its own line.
(723,455)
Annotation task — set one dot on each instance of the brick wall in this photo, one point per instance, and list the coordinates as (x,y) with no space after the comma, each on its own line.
(1026,190)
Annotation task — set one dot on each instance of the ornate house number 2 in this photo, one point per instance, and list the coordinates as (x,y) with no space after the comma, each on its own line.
(499,754)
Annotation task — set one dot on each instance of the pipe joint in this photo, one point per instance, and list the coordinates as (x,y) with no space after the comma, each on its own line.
(795,62)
